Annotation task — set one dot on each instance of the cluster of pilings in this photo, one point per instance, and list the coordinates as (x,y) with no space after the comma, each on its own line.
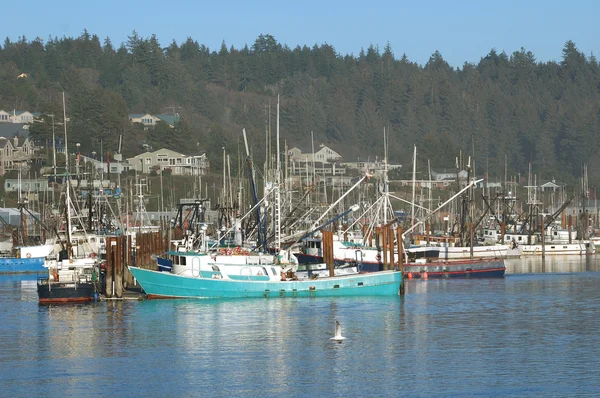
(120,253)
(385,240)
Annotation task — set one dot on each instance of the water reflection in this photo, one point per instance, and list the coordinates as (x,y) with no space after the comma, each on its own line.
(553,264)
(520,335)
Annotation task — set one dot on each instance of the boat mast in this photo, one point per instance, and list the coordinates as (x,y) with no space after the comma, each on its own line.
(277,192)
(67,180)
(53,158)
(385,182)
(412,210)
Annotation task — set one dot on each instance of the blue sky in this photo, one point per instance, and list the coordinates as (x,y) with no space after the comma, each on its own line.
(462,30)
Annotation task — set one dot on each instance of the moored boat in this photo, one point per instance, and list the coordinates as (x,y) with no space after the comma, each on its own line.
(476,268)
(71,277)
(68,281)
(369,259)
(197,275)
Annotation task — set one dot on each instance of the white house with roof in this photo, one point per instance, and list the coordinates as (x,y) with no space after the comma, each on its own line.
(371,166)
(164,159)
(322,154)
(114,165)
(150,120)
(18,116)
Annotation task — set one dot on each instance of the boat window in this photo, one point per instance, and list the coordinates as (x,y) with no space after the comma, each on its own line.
(92,240)
(176,260)
(183,260)
(274,271)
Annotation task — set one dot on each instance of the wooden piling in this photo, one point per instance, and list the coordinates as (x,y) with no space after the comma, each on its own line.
(118,266)
(108,284)
(400,257)
(391,248)
(129,276)
(327,246)
(471,237)
(384,242)
(570,225)
(543,239)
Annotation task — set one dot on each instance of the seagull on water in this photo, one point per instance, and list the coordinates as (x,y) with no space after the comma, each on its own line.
(338,332)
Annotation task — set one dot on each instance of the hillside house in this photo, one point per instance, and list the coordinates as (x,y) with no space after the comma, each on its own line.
(149,120)
(163,159)
(16,116)
(16,153)
(324,154)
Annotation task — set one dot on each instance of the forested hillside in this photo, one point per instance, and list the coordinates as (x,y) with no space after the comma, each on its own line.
(506,106)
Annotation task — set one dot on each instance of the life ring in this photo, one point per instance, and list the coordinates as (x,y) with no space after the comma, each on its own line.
(28,255)
(378,257)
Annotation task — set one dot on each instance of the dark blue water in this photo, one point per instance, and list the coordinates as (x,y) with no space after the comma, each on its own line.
(535,332)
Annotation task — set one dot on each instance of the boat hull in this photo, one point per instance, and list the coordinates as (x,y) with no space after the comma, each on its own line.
(12,265)
(479,252)
(579,249)
(68,292)
(484,268)
(166,285)
(457,269)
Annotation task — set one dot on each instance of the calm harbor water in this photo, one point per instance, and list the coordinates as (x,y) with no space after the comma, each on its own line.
(535,332)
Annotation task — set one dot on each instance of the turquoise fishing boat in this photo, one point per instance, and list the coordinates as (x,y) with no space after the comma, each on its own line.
(199,276)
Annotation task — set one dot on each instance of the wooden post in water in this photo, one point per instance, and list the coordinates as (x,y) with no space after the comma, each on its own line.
(327,246)
(144,249)
(118,267)
(543,240)
(427,233)
(108,279)
(570,225)
(400,257)
(391,247)
(384,244)
(128,275)
(502,231)
(471,235)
